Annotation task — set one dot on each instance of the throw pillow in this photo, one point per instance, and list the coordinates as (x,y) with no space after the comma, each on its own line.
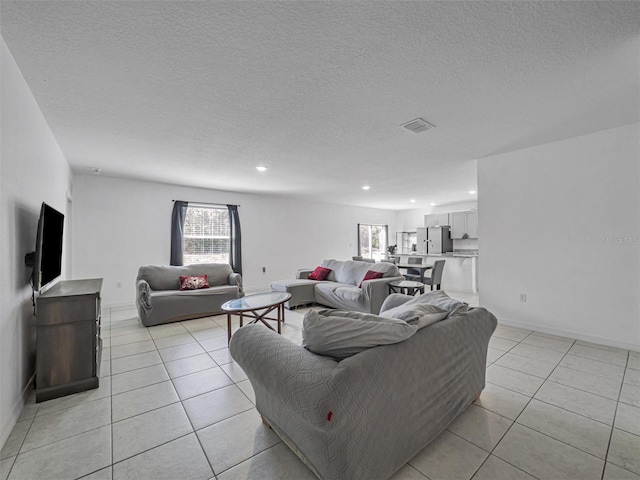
(341,337)
(194,283)
(419,315)
(320,273)
(371,275)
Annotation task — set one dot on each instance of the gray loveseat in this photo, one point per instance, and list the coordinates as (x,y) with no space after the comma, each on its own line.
(159,299)
(341,287)
(366,416)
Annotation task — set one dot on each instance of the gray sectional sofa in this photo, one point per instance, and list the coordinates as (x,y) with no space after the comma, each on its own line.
(341,288)
(364,417)
(159,299)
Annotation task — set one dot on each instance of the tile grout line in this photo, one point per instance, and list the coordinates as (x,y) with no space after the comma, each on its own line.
(208,353)
(507,430)
(542,433)
(111,396)
(19,452)
(523,409)
(547,378)
(615,414)
(193,430)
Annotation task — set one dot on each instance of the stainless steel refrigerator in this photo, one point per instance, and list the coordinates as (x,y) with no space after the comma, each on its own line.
(439,240)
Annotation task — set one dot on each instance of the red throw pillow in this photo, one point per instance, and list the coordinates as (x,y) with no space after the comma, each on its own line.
(194,283)
(320,273)
(371,275)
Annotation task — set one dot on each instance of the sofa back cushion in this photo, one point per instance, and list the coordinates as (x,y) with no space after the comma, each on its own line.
(340,334)
(420,315)
(352,272)
(438,298)
(165,277)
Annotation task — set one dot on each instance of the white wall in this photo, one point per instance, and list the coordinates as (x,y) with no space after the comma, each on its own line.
(32,170)
(120,225)
(561,223)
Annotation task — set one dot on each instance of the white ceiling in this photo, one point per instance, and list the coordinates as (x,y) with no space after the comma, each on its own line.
(201,92)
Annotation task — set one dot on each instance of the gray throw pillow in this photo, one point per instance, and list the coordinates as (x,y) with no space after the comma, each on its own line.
(419,315)
(343,336)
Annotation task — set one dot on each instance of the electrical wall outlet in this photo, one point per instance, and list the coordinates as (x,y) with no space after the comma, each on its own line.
(118,284)
(264,269)
(523,297)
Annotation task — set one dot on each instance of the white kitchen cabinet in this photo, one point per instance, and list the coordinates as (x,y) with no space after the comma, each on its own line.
(472,224)
(436,220)
(464,223)
(458,224)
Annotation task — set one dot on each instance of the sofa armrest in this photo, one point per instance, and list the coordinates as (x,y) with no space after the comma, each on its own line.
(143,293)
(273,365)
(303,273)
(236,279)
(376,291)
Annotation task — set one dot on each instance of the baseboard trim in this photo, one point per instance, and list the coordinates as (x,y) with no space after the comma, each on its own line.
(568,334)
(119,306)
(16,410)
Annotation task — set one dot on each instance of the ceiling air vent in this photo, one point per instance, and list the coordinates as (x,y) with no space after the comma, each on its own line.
(418,125)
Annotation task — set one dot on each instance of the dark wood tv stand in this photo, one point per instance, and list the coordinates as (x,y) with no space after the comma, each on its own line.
(68,345)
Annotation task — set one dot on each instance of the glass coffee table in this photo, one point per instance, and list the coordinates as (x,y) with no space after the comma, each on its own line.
(257,306)
(406,286)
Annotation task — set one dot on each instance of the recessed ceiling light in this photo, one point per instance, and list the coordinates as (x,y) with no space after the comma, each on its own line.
(366,187)
(261,168)
(413,200)
(472,192)
(432,204)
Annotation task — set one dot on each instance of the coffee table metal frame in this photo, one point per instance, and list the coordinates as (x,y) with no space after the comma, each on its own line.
(411,287)
(257,306)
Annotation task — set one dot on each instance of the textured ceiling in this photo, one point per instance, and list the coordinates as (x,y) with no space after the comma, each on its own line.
(199,93)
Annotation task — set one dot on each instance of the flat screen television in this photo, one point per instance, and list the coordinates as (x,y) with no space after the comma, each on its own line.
(47,259)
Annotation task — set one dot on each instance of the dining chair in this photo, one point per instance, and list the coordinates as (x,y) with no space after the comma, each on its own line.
(412,273)
(436,275)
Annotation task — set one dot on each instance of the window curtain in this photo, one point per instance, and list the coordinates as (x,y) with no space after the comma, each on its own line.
(235,247)
(177,232)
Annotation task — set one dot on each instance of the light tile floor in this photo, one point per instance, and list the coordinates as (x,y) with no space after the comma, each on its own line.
(172,404)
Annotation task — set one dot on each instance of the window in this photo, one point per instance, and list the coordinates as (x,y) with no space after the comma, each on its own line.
(372,241)
(202,232)
(207,235)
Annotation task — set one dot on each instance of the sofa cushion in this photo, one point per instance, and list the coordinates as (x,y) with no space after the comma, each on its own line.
(437,298)
(330,286)
(193,282)
(343,336)
(370,275)
(320,273)
(203,292)
(419,315)
(351,272)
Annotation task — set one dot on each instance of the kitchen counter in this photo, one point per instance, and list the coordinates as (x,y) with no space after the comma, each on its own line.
(448,254)
(460,269)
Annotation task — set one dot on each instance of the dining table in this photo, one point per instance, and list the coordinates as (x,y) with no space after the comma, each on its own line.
(418,266)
